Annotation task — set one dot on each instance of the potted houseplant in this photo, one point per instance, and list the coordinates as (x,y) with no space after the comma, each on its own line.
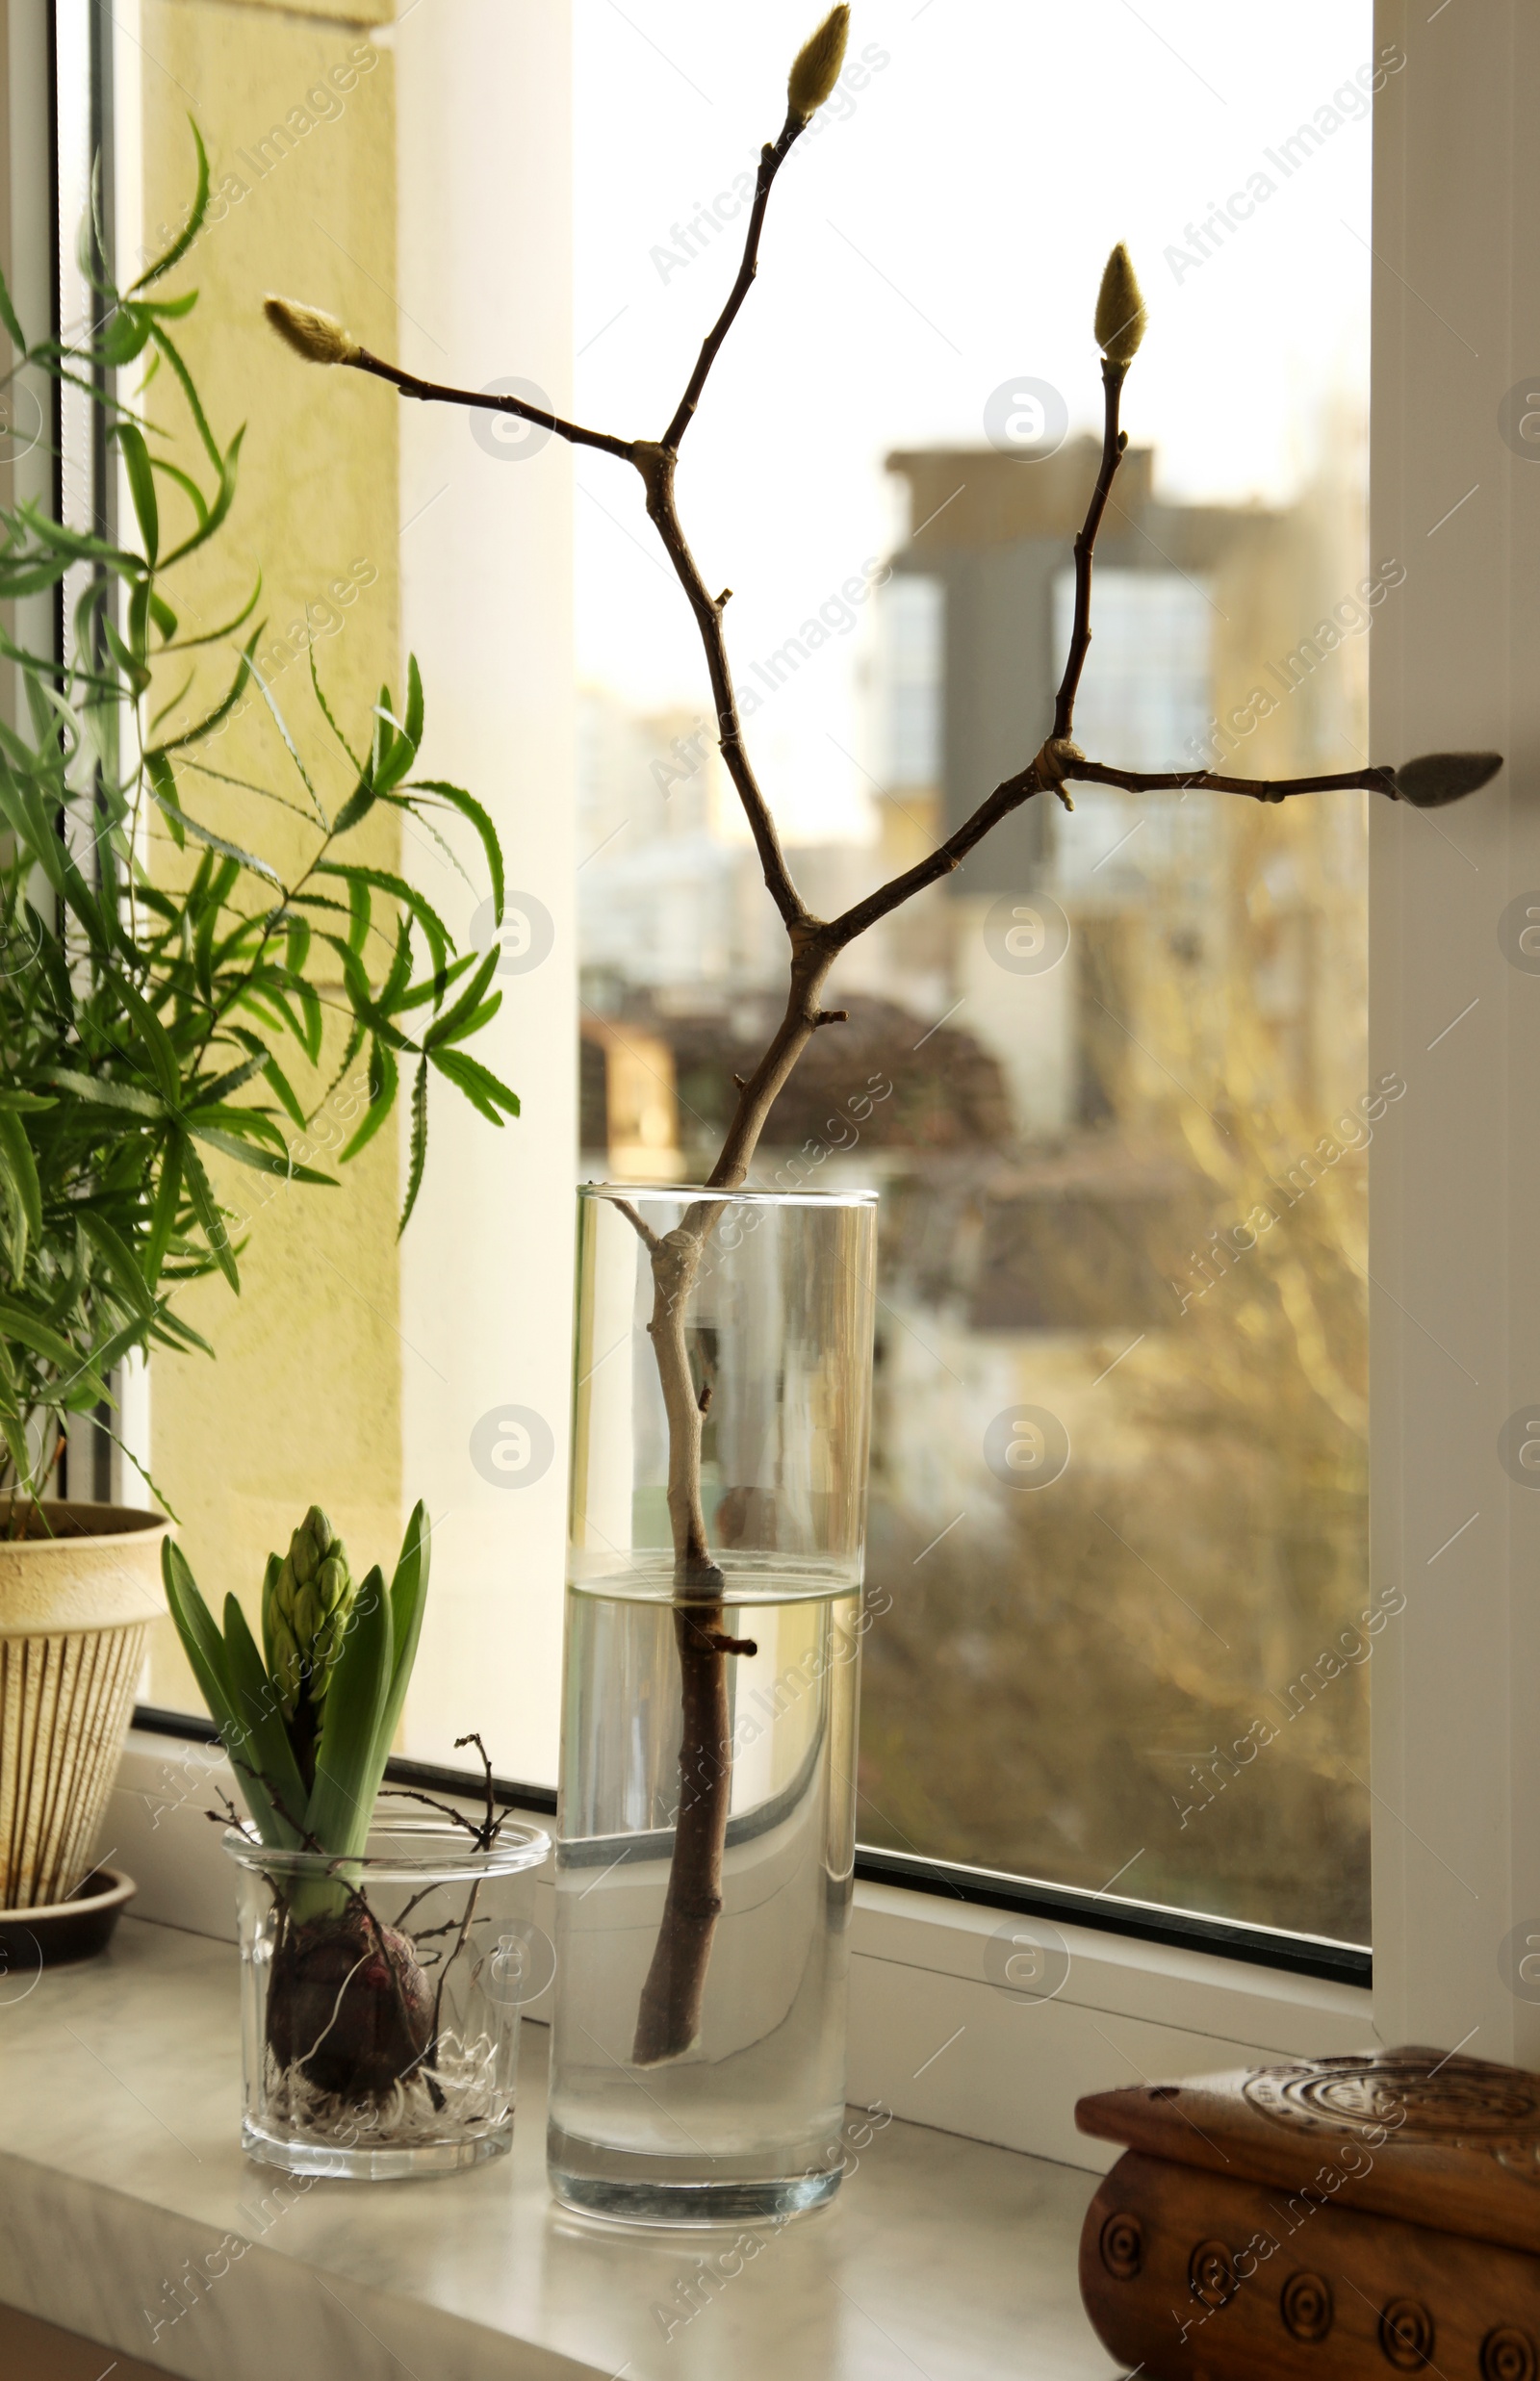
(705,1833)
(159,998)
(382,1960)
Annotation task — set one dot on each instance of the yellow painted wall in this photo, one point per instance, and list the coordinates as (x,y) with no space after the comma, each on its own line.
(298,108)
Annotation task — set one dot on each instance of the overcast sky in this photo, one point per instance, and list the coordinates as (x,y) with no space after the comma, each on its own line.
(945,236)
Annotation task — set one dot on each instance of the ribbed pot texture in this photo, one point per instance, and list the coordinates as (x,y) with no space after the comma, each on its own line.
(75,1608)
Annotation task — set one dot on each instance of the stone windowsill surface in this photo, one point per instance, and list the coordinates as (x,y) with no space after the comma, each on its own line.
(121,2177)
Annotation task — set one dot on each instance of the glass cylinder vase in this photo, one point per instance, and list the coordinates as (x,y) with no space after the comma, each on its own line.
(706,1835)
(380,1998)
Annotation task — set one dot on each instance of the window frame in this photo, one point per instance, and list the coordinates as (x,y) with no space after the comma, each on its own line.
(1455,198)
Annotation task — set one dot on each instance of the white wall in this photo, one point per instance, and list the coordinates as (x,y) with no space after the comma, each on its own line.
(485,268)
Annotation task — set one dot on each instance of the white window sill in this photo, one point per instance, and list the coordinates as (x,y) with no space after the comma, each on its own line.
(124,2195)
(930,2037)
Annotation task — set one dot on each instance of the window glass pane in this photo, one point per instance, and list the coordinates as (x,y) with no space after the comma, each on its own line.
(1110,1076)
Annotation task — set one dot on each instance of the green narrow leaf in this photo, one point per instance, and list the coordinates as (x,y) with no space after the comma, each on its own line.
(140,486)
(201,1641)
(433,988)
(408,1596)
(121,1264)
(8,315)
(189,826)
(167,347)
(21,1453)
(112,1350)
(15,1229)
(261,1161)
(153,1034)
(480,819)
(408,1593)
(309,1000)
(210,636)
(383,1081)
(106,1093)
(361,1000)
(268,1748)
(480,1085)
(342,1801)
(211,1096)
(473,1024)
(168,1200)
(446,1028)
(170,308)
(20,1323)
(125,336)
(172,1332)
(359,909)
(139,625)
(201,1194)
(221,710)
(179,247)
(290,746)
(413,721)
(327,715)
(419,1145)
(359,803)
(273,1073)
(400,975)
(386,881)
(186,483)
(22,1168)
(162,790)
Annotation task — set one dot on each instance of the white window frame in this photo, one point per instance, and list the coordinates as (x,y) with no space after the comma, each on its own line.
(1455,1295)
(1455,1307)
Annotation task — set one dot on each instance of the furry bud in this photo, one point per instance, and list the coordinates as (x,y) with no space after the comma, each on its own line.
(1120,316)
(319,338)
(1434,778)
(815,69)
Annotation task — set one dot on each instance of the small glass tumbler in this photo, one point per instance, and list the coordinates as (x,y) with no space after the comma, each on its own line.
(705,1842)
(380,1998)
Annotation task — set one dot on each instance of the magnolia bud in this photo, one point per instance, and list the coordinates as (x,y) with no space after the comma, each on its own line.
(1120,316)
(319,338)
(1434,778)
(815,69)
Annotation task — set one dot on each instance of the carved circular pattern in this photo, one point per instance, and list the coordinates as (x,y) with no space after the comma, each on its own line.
(1406,2335)
(1211,2274)
(1466,2100)
(1123,2246)
(1306,2306)
(1507,2354)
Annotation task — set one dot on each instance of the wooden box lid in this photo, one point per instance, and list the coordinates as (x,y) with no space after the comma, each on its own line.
(1450,2143)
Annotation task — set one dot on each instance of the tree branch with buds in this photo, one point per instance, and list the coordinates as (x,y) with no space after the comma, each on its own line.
(669,2017)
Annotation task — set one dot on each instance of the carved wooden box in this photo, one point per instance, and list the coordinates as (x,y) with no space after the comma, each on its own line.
(1331,2220)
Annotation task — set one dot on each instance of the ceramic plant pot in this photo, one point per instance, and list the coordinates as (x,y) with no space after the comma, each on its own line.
(77,1595)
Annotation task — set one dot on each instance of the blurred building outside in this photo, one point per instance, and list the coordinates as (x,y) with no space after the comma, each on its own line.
(1033,1045)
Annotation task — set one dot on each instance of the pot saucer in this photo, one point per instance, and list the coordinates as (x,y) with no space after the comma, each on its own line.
(58,1933)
